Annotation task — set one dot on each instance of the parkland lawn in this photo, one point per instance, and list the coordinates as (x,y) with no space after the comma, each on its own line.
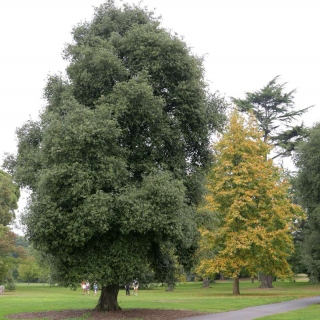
(188,296)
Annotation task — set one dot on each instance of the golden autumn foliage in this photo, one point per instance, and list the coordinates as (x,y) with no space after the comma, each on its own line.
(248,195)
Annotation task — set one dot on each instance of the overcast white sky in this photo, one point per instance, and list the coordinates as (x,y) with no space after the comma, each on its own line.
(246,43)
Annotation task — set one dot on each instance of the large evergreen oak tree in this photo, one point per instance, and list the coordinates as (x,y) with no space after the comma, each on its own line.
(116,161)
(254,215)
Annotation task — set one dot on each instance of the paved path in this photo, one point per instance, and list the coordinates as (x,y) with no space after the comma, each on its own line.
(259,311)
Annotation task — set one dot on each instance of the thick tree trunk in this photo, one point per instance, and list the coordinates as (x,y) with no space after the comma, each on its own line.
(266,282)
(206,283)
(108,300)
(236,286)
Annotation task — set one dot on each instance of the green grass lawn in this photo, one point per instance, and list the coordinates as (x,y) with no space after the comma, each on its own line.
(309,313)
(191,296)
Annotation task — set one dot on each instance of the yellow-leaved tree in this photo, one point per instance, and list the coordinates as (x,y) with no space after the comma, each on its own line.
(248,196)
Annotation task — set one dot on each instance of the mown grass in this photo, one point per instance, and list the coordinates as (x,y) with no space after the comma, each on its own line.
(190,296)
(308,313)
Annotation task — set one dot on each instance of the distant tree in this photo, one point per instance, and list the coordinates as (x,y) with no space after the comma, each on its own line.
(10,253)
(308,188)
(29,270)
(274,110)
(295,260)
(117,160)
(249,196)
(207,223)
(9,196)
(47,265)
(205,253)
(22,242)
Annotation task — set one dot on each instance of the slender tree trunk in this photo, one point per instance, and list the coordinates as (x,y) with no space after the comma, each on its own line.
(108,300)
(236,286)
(206,283)
(266,282)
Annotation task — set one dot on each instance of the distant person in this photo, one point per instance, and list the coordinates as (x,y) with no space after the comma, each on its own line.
(127,287)
(95,287)
(84,287)
(135,286)
(88,287)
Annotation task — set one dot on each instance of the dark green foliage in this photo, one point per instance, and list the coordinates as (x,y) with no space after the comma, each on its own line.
(295,260)
(274,110)
(117,159)
(308,187)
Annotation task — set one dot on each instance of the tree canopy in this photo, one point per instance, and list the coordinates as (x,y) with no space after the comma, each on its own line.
(9,196)
(274,110)
(249,196)
(308,190)
(29,269)
(117,159)
(10,253)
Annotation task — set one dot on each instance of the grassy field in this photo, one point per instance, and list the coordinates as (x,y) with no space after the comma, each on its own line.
(190,296)
(309,313)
